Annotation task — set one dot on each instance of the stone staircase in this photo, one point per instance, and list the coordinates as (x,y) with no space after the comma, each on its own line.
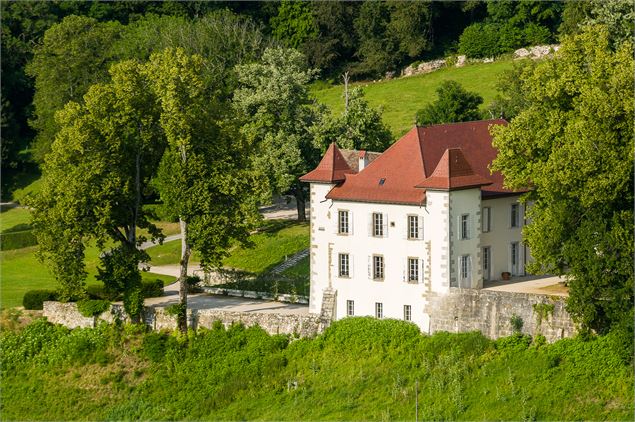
(327,313)
(290,262)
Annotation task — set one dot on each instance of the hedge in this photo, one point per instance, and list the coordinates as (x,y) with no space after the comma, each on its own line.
(34,299)
(149,288)
(17,240)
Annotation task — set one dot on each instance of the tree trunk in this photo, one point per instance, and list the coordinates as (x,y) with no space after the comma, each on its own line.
(300,204)
(185,257)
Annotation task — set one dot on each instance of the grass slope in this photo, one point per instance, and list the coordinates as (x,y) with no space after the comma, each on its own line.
(14,219)
(359,369)
(400,98)
(282,239)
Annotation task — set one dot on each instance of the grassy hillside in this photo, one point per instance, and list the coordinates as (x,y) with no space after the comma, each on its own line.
(360,369)
(401,98)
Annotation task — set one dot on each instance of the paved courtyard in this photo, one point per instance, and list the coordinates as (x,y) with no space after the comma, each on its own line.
(226,303)
(545,285)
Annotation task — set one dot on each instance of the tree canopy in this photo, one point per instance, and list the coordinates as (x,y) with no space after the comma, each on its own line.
(453,104)
(572,145)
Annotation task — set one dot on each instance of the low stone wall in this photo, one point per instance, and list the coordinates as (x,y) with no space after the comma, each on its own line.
(158,319)
(282,297)
(490,312)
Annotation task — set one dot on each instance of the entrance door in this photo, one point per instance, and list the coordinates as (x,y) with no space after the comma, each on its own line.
(487,259)
(514,258)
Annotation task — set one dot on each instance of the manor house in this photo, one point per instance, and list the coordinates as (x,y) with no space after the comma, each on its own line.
(391,230)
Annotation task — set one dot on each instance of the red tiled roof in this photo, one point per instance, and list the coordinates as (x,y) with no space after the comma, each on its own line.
(352,157)
(453,172)
(331,169)
(414,157)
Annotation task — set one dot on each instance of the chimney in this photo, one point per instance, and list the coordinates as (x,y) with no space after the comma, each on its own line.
(363,160)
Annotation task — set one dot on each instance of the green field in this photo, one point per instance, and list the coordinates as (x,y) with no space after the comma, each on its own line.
(400,98)
(269,249)
(359,369)
(13,219)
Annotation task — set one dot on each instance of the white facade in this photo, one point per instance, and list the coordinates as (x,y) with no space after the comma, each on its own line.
(448,249)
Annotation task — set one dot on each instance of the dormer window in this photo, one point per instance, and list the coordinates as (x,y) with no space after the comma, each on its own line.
(382,181)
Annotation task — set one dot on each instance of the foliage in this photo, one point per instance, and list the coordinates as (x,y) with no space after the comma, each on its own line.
(92,307)
(293,25)
(510,99)
(618,16)
(454,104)
(273,101)
(542,311)
(120,275)
(516,323)
(177,310)
(360,127)
(17,240)
(100,164)
(359,368)
(33,299)
(572,144)
(74,54)
(152,288)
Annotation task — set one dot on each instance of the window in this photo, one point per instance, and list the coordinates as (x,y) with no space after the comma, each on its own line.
(379,310)
(342,222)
(407,313)
(514,252)
(378,267)
(486,262)
(464,263)
(344,265)
(413,269)
(464,227)
(378,224)
(350,308)
(486,219)
(515,215)
(414,231)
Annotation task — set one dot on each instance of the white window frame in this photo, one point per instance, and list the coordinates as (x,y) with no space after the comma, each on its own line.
(378,224)
(486,255)
(413,270)
(415,227)
(378,267)
(379,310)
(350,308)
(344,265)
(514,258)
(464,227)
(514,216)
(486,220)
(407,313)
(343,222)
(464,270)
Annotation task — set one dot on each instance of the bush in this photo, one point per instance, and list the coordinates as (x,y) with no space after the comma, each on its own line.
(92,307)
(100,292)
(17,240)
(480,40)
(34,299)
(160,212)
(193,284)
(152,288)
(154,345)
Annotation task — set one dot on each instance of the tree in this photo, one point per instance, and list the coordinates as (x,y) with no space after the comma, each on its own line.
(273,99)
(204,175)
(453,104)
(572,144)
(100,164)
(74,55)
(293,25)
(510,99)
(360,127)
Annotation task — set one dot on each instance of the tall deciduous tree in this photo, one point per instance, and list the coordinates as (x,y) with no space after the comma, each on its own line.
(572,145)
(454,104)
(273,99)
(204,175)
(74,54)
(359,127)
(102,160)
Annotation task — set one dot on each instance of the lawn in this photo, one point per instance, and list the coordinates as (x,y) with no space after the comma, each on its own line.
(301,269)
(270,248)
(14,219)
(400,98)
(22,271)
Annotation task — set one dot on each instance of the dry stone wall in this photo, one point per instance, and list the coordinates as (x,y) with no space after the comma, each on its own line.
(490,312)
(306,325)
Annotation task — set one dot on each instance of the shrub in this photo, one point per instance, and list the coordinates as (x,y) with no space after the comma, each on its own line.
(92,307)
(154,345)
(152,288)
(17,240)
(480,40)
(95,291)
(517,323)
(34,299)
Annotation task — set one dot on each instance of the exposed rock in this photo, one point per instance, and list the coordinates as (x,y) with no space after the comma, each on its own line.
(390,75)
(536,52)
(460,61)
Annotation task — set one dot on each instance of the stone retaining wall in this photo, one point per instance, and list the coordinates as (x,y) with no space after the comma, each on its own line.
(490,312)
(307,325)
(282,297)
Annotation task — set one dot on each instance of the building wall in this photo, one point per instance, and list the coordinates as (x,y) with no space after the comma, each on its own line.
(465,202)
(502,234)
(321,234)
